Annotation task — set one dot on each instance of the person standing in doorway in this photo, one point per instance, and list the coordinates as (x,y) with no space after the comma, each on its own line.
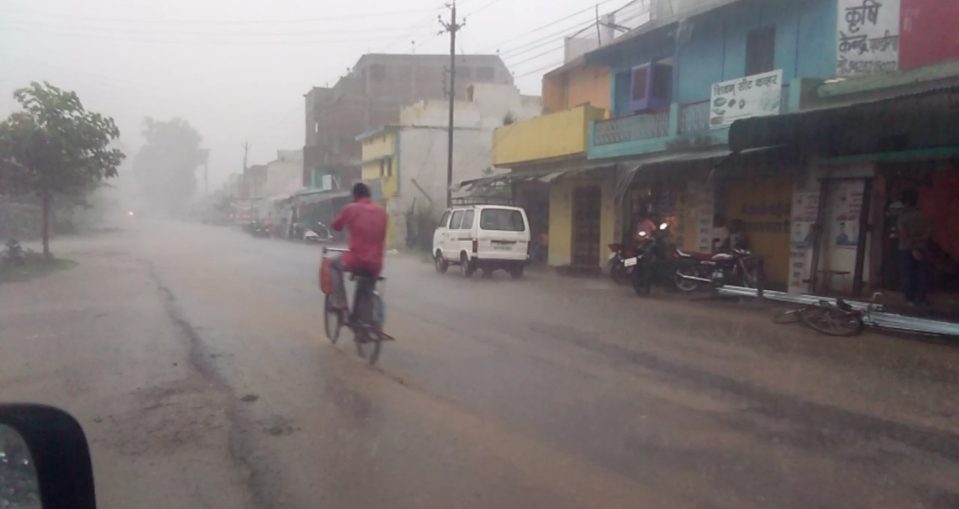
(720,234)
(914,230)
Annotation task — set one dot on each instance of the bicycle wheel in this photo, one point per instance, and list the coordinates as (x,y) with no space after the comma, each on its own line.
(368,341)
(831,320)
(332,320)
(787,317)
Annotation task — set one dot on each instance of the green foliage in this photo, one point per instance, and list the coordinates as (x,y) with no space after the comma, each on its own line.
(166,165)
(54,147)
(509,118)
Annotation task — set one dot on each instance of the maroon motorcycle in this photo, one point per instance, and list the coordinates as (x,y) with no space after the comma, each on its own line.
(737,267)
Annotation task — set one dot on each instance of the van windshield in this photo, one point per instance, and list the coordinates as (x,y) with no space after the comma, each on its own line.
(502,220)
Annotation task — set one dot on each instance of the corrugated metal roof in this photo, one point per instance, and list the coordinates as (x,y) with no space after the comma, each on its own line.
(544,175)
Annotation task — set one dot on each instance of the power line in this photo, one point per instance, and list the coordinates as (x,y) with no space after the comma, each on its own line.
(534,57)
(149,32)
(213,22)
(481,9)
(412,31)
(553,23)
(551,66)
(560,35)
(196,41)
(555,36)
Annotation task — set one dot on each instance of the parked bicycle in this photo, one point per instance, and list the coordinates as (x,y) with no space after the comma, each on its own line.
(365,317)
(839,319)
(845,319)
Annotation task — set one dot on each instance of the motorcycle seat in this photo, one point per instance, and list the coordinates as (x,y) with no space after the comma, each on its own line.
(704,256)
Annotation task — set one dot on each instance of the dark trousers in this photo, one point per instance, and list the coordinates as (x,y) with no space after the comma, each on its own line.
(912,277)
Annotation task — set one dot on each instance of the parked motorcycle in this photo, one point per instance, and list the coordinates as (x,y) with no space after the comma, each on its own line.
(617,270)
(738,267)
(650,265)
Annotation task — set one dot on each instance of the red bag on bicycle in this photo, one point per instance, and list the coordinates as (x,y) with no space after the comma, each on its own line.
(326,284)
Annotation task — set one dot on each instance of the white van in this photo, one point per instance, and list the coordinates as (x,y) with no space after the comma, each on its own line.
(486,237)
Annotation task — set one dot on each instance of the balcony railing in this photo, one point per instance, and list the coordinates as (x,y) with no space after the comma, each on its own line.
(694,117)
(642,126)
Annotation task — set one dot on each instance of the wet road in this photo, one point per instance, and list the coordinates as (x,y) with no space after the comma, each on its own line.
(195,358)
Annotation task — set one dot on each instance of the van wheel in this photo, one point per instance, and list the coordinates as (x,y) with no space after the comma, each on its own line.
(516,272)
(466,268)
(440,263)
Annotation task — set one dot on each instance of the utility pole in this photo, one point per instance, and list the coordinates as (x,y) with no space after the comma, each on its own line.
(452,27)
(246,150)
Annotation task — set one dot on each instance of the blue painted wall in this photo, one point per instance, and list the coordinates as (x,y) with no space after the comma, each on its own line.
(716,48)
(712,48)
(654,46)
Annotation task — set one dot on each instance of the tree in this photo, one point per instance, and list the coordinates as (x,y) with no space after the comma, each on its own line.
(55,147)
(166,165)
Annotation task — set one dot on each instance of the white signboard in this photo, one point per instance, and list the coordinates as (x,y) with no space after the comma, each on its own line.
(752,96)
(805,210)
(868,36)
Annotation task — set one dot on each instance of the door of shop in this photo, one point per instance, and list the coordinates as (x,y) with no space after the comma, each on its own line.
(761,206)
(586,226)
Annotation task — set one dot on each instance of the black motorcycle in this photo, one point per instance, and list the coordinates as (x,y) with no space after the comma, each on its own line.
(651,263)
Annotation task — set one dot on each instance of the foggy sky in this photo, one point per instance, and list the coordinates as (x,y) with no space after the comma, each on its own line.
(238,70)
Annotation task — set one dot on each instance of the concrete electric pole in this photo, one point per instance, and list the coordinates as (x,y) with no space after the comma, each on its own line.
(452,27)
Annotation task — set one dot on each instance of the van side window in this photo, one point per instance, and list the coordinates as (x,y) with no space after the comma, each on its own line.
(455,222)
(468,220)
(444,220)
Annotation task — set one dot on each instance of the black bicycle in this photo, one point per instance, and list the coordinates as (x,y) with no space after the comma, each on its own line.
(839,319)
(365,317)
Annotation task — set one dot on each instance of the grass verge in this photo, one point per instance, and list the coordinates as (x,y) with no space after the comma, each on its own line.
(33,269)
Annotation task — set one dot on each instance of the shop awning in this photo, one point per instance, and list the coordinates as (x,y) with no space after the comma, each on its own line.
(545,175)
(821,126)
(669,162)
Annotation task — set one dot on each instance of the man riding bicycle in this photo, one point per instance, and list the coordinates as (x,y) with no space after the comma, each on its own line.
(366,236)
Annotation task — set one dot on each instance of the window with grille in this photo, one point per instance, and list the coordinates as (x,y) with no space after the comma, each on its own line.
(760,50)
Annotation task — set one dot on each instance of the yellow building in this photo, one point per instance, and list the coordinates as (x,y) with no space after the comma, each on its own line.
(379,168)
(575,84)
(568,199)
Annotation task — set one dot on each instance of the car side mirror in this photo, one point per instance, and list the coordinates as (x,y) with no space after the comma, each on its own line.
(44,459)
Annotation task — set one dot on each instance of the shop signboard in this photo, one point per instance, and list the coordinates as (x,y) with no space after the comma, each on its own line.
(805,209)
(847,210)
(867,36)
(753,96)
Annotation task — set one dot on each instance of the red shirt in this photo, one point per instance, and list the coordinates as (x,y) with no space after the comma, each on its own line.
(367,234)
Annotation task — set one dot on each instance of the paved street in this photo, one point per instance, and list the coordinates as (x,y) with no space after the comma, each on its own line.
(195,359)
